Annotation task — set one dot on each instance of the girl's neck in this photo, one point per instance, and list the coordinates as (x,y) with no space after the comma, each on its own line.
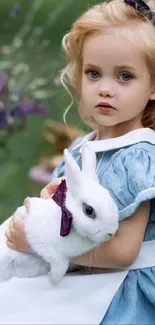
(116,131)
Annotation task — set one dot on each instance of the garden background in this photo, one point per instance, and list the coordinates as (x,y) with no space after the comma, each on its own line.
(30,50)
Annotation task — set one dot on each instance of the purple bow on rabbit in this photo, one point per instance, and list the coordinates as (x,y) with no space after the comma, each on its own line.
(66,219)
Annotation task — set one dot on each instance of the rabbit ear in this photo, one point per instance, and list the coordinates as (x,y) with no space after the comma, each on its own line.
(72,170)
(89,162)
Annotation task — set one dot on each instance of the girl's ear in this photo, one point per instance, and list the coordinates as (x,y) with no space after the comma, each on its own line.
(72,170)
(89,162)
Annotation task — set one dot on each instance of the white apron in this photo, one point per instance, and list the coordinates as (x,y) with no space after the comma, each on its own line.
(77,299)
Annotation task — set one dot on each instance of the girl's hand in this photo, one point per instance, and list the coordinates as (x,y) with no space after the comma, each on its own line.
(50,188)
(15,235)
(16,238)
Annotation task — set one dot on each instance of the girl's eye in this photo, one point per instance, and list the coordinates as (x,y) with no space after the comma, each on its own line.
(125,77)
(93,74)
(89,211)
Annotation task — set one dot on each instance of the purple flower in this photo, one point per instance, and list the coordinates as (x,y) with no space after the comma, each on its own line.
(40,108)
(3,118)
(3,81)
(23,108)
(27,107)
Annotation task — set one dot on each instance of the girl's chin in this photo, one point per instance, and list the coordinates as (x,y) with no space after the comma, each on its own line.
(105,122)
(96,122)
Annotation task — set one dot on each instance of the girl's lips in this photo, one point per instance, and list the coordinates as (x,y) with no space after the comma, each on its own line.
(105,109)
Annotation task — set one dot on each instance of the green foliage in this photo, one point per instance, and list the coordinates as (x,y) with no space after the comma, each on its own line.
(28,37)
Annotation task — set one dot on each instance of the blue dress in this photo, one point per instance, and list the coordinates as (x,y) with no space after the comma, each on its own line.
(126,167)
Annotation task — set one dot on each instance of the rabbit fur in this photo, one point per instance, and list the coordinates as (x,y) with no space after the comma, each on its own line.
(50,252)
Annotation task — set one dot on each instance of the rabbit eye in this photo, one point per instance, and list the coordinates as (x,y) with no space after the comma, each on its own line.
(89,211)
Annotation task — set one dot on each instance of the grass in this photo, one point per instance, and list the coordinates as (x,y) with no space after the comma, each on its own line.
(26,147)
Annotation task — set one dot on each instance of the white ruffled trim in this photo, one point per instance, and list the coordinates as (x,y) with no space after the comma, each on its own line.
(130,138)
(144,195)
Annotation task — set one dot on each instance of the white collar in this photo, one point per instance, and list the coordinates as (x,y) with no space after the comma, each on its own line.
(133,137)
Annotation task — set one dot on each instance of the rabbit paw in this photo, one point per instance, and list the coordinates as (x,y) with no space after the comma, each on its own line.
(30,265)
(58,270)
(22,266)
(6,268)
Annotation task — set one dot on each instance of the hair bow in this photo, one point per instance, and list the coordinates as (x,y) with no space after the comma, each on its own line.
(142,8)
(66,216)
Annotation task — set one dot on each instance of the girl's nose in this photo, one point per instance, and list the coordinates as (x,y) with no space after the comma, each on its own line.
(106,89)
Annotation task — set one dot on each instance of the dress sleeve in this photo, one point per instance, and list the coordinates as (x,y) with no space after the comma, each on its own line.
(130,178)
(59,170)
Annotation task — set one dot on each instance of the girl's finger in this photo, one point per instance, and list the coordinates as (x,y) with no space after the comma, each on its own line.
(44,194)
(50,188)
(8,234)
(9,230)
(18,223)
(11,224)
(10,244)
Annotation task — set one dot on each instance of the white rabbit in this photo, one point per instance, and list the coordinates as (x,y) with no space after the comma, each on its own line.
(95,220)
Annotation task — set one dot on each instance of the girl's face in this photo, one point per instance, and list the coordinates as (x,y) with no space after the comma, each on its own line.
(114,73)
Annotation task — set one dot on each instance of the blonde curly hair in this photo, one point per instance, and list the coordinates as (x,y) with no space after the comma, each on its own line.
(97,19)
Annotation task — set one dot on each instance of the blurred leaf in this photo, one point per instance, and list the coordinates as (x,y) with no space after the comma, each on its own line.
(32,38)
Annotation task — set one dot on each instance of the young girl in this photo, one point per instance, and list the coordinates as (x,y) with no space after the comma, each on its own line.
(111,68)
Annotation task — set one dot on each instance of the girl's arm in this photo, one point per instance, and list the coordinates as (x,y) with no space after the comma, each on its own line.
(122,250)
(119,252)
